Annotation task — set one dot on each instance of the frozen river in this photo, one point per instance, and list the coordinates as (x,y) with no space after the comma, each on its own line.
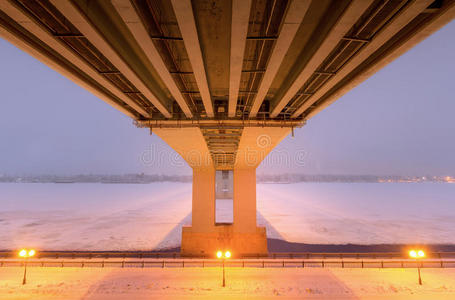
(149,216)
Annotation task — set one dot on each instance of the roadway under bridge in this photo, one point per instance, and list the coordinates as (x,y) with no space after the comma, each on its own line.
(223,81)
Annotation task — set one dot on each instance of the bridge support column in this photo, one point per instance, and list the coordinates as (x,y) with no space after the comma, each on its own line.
(205,237)
(203,206)
(250,239)
(245,200)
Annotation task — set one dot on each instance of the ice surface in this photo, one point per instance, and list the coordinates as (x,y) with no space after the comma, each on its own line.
(150,216)
(361,213)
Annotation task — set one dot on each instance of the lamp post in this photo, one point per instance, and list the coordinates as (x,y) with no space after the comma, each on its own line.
(223,256)
(24,253)
(417,254)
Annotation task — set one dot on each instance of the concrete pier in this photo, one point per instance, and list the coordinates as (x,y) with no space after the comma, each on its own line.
(205,236)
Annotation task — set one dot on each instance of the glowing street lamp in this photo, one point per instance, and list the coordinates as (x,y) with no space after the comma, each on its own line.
(417,254)
(26,253)
(223,256)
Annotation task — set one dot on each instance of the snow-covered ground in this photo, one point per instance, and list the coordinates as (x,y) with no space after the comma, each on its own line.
(92,216)
(150,216)
(361,213)
(248,283)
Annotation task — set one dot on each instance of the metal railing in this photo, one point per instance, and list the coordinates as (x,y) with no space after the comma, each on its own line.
(236,263)
(272,255)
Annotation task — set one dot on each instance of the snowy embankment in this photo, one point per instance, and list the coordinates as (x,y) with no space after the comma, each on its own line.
(198,283)
(150,216)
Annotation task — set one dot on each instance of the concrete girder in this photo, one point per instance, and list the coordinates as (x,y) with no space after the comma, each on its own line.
(294,16)
(82,23)
(53,42)
(442,19)
(187,25)
(256,143)
(189,143)
(344,23)
(393,27)
(239,29)
(129,15)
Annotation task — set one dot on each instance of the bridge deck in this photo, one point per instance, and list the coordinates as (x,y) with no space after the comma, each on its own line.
(182,62)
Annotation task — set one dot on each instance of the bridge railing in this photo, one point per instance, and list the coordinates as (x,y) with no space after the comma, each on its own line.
(235,263)
(176,255)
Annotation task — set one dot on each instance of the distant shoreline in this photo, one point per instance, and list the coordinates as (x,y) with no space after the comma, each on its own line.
(260,178)
(258,182)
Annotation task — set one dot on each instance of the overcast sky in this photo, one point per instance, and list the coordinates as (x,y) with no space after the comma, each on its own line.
(400,121)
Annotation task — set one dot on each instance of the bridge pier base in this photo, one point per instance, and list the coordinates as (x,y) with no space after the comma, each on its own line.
(205,237)
(242,237)
(223,237)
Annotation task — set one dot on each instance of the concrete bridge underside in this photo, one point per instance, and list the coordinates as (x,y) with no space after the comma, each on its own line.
(223,81)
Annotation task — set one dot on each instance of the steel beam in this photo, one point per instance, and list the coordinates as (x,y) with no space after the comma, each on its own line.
(134,23)
(445,16)
(61,67)
(226,124)
(339,30)
(239,30)
(82,23)
(294,16)
(187,25)
(53,41)
(411,11)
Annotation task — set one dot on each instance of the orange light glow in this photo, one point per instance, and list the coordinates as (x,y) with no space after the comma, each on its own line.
(227,254)
(219,254)
(27,253)
(23,253)
(417,253)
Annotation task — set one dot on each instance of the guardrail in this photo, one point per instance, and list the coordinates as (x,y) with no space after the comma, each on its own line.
(176,255)
(237,263)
